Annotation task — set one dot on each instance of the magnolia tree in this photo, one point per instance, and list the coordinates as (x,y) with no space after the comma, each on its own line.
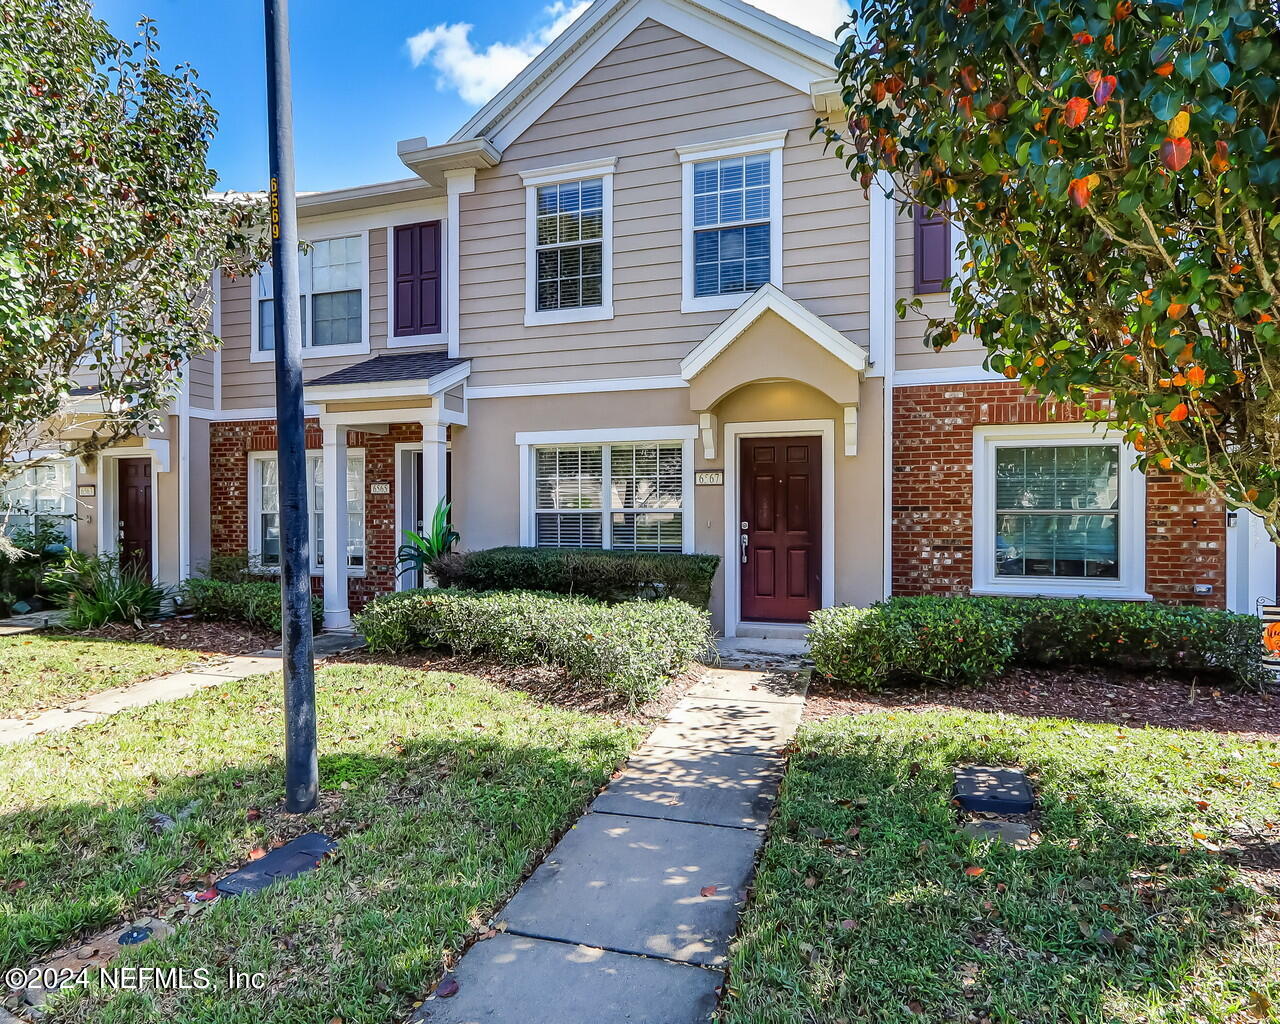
(1115,169)
(109,230)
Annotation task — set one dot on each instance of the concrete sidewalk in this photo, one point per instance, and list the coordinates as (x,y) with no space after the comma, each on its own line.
(158,689)
(629,918)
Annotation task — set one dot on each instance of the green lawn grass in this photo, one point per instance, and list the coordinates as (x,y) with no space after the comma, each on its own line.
(864,911)
(442,788)
(47,670)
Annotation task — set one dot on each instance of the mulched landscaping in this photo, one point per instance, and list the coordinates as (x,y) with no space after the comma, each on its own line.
(1086,694)
(188,633)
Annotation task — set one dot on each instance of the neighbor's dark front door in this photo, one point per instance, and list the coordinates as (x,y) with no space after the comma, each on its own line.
(780,514)
(134,502)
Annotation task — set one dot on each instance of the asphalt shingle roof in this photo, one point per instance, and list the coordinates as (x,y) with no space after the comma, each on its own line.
(402,366)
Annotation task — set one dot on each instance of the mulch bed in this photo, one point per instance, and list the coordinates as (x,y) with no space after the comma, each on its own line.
(1106,696)
(187,633)
(545,684)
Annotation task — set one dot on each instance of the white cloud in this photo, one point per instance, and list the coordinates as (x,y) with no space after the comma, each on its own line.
(821,17)
(476,75)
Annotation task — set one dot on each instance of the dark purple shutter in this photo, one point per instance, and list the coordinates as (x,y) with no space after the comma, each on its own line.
(933,251)
(417,279)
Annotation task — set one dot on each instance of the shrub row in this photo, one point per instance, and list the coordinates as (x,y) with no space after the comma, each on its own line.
(256,602)
(630,649)
(604,575)
(953,640)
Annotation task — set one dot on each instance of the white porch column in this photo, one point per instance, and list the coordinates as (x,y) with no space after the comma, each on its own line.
(433,468)
(334,476)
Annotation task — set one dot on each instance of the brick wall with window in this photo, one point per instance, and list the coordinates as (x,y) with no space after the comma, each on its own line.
(934,498)
(230,445)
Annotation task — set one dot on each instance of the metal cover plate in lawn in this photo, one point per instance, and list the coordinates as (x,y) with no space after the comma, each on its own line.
(997,790)
(296,857)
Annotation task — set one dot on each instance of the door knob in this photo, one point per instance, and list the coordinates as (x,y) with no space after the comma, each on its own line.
(744,549)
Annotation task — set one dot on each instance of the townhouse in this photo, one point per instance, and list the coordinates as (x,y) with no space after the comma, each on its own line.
(633,304)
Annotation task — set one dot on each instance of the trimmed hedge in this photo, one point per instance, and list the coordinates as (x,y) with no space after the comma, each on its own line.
(630,649)
(604,575)
(966,640)
(256,602)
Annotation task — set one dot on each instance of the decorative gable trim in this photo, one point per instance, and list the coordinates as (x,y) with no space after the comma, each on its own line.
(770,298)
(736,29)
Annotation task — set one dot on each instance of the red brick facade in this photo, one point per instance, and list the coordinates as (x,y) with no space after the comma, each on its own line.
(933,497)
(229,448)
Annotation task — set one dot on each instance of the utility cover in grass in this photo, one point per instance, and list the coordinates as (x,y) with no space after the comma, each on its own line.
(294,858)
(997,790)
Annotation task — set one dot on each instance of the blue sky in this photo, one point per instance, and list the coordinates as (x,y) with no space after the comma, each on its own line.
(364,75)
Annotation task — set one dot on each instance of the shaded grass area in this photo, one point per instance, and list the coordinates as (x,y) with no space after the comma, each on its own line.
(869,904)
(442,790)
(43,670)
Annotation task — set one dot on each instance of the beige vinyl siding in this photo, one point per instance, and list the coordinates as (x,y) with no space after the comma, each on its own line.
(657,90)
(912,354)
(200,375)
(378,288)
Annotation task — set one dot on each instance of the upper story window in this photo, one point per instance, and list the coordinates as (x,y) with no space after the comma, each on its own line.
(731,225)
(333,281)
(732,219)
(569,243)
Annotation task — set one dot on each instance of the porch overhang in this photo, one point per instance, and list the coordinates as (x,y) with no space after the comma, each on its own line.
(384,385)
(772,337)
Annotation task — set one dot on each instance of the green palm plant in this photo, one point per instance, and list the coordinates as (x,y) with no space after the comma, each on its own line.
(420,550)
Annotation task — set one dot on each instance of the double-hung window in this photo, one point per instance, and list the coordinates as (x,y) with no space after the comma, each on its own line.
(732,220)
(332,279)
(264,528)
(569,242)
(625,496)
(38,496)
(1057,511)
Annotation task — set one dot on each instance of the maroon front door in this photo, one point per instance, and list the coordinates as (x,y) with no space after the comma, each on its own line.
(133,499)
(780,510)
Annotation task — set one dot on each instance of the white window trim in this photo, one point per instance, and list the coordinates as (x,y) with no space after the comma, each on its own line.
(255,513)
(1130,586)
(258,355)
(527,441)
(766,142)
(533,180)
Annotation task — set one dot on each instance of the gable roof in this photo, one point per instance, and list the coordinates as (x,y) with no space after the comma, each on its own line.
(737,29)
(770,298)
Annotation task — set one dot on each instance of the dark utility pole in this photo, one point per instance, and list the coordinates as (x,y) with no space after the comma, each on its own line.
(300,776)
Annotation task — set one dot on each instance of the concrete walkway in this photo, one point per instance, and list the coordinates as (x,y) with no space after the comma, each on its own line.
(629,917)
(173,686)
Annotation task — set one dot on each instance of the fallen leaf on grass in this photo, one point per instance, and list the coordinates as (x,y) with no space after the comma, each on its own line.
(810,882)
(1259,1007)
(974,872)
(252,814)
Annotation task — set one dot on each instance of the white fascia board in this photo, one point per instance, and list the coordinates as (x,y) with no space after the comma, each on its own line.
(771,298)
(739,30)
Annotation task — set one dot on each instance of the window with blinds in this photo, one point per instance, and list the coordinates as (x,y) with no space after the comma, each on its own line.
(641,509)
(1057,511)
